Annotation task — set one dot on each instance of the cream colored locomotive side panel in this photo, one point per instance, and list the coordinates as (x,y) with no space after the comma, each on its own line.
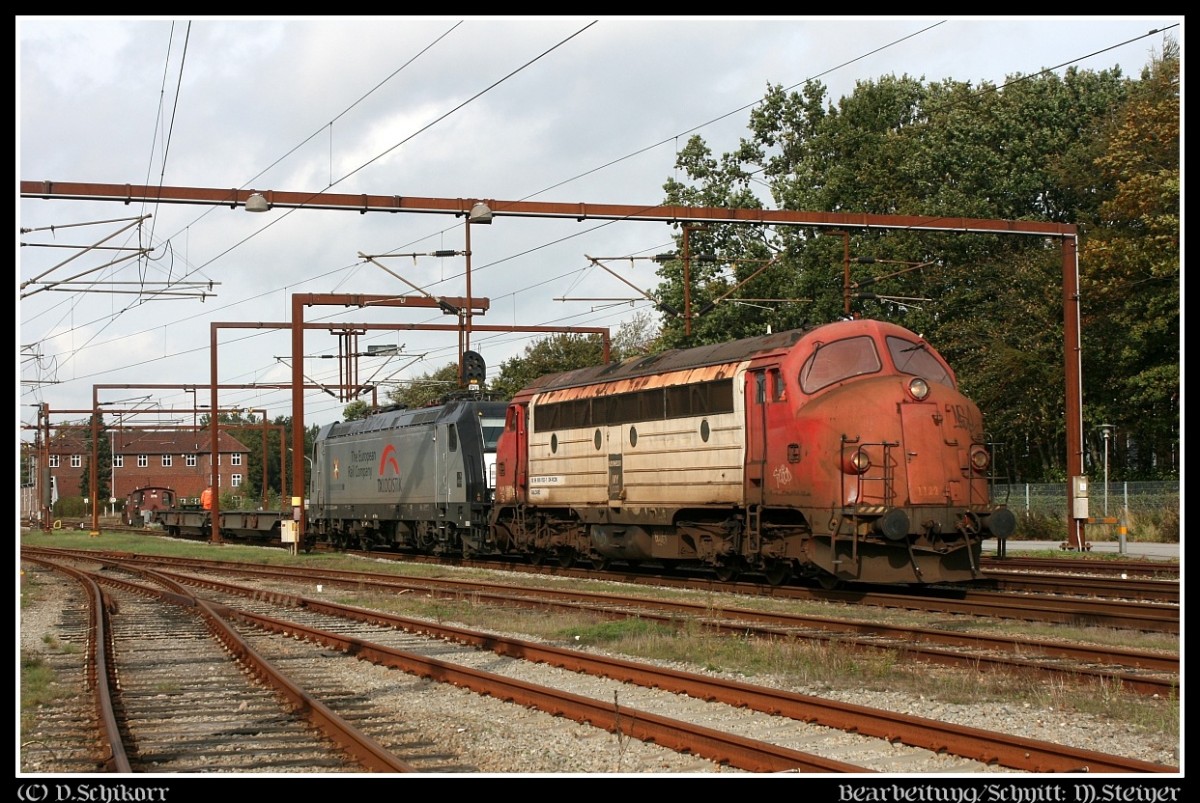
(566,468)
(693,460)
(671,464)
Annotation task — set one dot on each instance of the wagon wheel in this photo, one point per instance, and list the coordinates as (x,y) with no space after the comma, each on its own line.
(778,572)
(566,558)
(537,557)
(601,563)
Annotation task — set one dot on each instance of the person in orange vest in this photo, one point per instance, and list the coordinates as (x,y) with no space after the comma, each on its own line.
(206,499)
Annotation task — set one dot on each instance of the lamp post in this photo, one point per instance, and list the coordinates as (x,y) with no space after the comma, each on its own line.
(1106,430)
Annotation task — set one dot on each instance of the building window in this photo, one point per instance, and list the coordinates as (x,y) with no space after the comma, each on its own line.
(76,461)
(235,480)
(189,460)
(235,459)
(118,461)
(53,461)
(143,461)
(166,461)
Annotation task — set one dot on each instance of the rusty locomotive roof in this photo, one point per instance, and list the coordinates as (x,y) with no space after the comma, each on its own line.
(669,361)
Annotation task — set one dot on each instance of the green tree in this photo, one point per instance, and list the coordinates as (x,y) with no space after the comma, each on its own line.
(103,448)
(427,389)
(993,304)
(549,355)
(1130,278)
(356,410)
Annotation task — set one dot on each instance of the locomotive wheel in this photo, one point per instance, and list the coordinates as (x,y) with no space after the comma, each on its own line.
(778,573)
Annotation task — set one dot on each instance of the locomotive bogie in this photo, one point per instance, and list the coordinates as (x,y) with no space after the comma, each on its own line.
(867,560)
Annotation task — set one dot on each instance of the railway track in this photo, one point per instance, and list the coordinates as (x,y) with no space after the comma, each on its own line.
(1130,567)
(1152,672)
(987,750)
(1114,610)
(1133,579)
(175,690)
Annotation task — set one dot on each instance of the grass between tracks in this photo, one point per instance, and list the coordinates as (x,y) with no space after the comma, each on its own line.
(39,682)
(808,666)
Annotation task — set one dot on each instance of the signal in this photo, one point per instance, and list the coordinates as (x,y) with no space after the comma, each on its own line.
(473,369)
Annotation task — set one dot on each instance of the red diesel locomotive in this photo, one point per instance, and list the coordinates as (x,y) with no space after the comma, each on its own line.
(844,453)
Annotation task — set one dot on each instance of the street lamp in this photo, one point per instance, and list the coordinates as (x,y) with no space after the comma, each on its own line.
(1106,430)
(256,202)
(306,457)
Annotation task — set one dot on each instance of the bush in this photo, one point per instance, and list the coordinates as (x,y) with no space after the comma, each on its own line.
(70,507)
(1161,526)
(1040,527)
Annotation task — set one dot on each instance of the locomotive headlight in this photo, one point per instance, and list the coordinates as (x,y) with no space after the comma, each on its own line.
(855,461)
(918,388)
(980,459)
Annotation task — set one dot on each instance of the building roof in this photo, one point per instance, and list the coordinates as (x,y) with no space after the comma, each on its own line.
(146,441)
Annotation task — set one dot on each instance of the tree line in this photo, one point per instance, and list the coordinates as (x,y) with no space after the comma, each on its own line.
(1094,149)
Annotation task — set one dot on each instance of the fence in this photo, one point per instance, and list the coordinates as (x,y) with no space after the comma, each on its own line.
(1149,510)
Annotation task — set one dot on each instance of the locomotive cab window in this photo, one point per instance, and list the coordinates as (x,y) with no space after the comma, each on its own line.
(841,359)
(492,427)
(452,438)
(915,358)
(778,391)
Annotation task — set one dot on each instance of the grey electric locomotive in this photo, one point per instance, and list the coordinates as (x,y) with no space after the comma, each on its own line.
(419,479)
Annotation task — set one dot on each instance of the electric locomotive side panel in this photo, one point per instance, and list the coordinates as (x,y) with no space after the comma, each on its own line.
(375,477)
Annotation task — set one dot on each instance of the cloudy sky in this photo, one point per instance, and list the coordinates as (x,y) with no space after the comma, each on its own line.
(556,109)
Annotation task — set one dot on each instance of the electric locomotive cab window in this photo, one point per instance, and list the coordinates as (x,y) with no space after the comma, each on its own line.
(841,359)
(915,358)
(492,427)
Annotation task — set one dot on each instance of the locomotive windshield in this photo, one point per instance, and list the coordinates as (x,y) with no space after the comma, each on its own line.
(841,359)
(492,427)
(915,358)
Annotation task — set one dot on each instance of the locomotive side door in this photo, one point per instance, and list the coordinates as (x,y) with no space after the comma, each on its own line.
(770,441)
(512,455)
(449,473)
(756,434)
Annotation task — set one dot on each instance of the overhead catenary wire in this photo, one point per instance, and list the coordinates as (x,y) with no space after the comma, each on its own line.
(511,257)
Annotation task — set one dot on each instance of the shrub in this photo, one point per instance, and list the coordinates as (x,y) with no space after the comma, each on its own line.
(1040,526)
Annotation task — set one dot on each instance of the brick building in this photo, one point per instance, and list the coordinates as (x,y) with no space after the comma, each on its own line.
(176,459)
